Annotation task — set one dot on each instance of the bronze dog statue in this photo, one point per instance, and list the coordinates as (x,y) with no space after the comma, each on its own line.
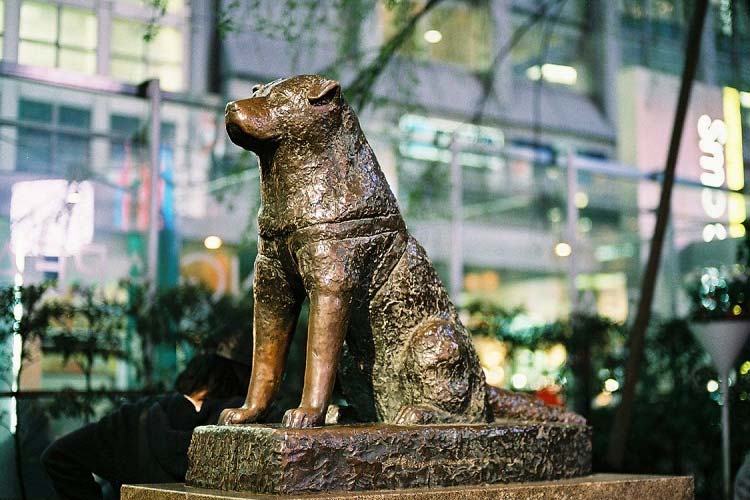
(330,229)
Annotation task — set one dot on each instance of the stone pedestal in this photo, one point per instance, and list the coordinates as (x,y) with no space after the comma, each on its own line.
(596,487)
(277,460)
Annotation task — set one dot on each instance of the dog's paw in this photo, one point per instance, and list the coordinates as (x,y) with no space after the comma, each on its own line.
(231,416)
(298,418)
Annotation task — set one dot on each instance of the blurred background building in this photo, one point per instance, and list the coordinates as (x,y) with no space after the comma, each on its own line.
(524,149)
(592,86)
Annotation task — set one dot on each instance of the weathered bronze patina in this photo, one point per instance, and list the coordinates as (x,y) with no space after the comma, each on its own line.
(269,459)
(330,229)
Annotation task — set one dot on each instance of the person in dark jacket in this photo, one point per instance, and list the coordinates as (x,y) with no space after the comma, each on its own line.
(146,441)
(742,481)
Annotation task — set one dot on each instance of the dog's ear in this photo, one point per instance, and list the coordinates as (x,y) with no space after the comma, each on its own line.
(324,93)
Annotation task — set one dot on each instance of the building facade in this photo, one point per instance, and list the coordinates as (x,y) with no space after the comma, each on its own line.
(526,88)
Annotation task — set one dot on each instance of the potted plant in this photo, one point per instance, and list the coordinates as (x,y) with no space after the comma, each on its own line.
(720,307)
(720,299)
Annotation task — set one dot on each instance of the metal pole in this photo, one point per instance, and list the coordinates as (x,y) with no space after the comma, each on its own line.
(457,239)
(571,186)
(725,433)
(152,250)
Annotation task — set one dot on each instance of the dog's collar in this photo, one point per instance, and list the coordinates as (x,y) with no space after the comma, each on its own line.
(338,230)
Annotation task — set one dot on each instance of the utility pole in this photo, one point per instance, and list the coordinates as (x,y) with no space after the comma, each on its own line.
(153,92)
(457,222)
(623,416)
(571,228)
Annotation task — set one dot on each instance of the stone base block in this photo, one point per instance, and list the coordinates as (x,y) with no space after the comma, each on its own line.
(596,487)
(277,460)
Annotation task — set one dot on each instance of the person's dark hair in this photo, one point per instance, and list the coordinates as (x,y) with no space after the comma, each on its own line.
(220,377)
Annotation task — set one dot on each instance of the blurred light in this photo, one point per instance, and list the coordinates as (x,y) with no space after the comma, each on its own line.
(585,224)
(493,357)
(212,242)
(18,312)
(554,214)
(553,73)
(74,197)
(518,380)
(541,382)
(733,162)
(581,199)
(611,385)
(733,155)
(604,398)
(745,99)
(736,230)
(737,310)
(665,8)
(714,231)
(556,356)
(17,349)
(433,36)
(563,249)
(745,368)
(51,217)
(712,386)
(606,253)
(495,376)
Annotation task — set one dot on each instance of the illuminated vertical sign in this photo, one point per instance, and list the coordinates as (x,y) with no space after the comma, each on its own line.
(734,162)
(720,143)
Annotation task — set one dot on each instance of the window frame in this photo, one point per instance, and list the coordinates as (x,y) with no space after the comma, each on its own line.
(179,20)
(59,47)
(410,49)
(55,130)
(105,13)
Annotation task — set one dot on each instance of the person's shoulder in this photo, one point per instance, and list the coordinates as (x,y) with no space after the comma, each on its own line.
(134,408)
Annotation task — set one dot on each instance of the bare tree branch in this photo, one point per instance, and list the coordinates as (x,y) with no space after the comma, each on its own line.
(360,89)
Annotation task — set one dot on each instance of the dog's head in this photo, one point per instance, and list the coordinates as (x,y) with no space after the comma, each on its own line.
(305,108)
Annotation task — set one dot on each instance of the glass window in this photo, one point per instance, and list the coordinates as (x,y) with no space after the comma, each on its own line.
(45,148)
(453,32)
(57,36)
(564,56)
(40,112)
(133,59)
(732,30)
(128,133)
(652,32)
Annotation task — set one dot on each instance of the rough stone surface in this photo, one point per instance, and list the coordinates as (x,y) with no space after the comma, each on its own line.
(270,459)
(596,487)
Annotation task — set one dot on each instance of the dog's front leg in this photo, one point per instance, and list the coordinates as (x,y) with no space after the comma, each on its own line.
(277,305)
(329,317)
